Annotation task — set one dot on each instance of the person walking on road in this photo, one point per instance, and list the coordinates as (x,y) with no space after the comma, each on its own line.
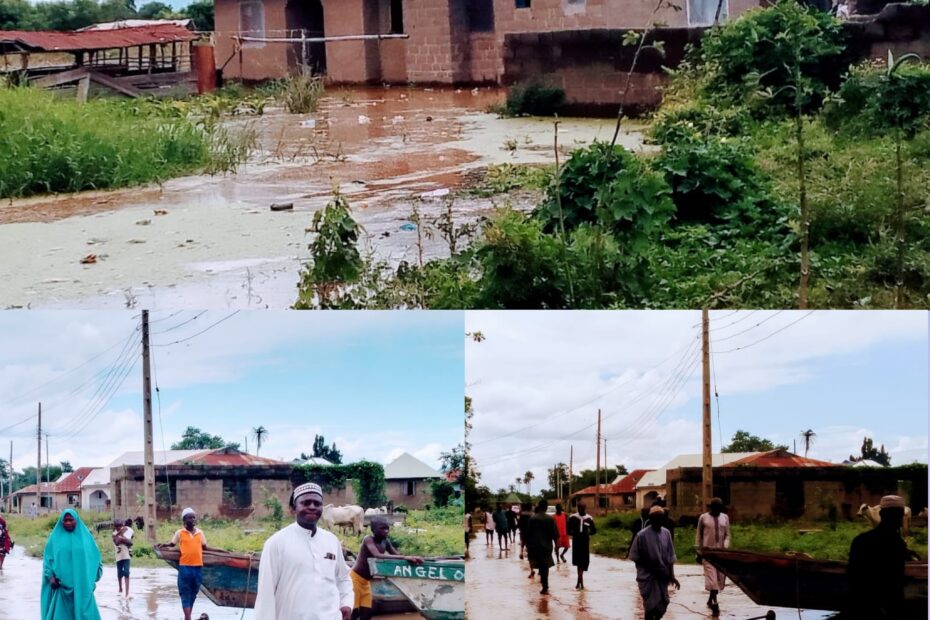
(713,532)
(488,527)
(71,568)
(541,538)
(654,555)
(500,526)
(561,524)
(581,528)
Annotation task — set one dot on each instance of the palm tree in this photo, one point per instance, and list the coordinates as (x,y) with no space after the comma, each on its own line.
(808,437)
(260,433)
(519,481)
(528,478)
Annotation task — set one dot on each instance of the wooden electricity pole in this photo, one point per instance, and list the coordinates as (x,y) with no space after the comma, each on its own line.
(597,471)
(149,483)
(39,462)
(571,474)
(707,480)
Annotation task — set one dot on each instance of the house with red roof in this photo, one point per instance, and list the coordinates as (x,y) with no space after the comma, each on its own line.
(618,495)
(53,496)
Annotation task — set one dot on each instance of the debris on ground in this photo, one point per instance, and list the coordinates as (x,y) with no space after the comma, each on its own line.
(408,226)
(436,193)
(363,120)
(282,206)
(143,222)
(309,123)
(90,259)
(161,212)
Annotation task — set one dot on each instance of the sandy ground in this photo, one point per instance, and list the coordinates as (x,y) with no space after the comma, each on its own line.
(498,587)
(219,246)
(154,595)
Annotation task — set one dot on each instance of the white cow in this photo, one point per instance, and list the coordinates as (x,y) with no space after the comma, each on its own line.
(371,512)
(923,513)
(350,515)
(871,514)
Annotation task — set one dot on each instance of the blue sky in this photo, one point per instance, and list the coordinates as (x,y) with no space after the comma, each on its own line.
(842,374)
(375,383)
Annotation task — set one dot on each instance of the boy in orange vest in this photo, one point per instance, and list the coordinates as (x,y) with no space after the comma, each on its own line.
(192,543)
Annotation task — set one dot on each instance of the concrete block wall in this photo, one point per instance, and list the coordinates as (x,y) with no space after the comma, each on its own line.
(277,488)
(204,496)
(429,49)
(351,61)
(257,61)
(485,62)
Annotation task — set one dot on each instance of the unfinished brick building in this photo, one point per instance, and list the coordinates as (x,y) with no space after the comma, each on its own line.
(222,482)
(447,41)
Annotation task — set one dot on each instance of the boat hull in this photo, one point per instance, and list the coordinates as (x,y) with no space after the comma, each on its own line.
(231,580)
(781,580)
(436,588)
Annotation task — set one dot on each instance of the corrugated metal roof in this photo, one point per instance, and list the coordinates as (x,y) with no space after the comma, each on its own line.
(408,466)
(779,458)
(657,478)
(72,483)
(51,41)
(230,457)
(162,457)
(626,484)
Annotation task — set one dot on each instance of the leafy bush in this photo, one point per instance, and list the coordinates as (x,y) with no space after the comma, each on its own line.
(367,479)
(758,51)
(534,100)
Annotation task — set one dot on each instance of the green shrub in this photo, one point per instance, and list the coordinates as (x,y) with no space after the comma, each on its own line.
(534,100)
(301,94)
(757,51)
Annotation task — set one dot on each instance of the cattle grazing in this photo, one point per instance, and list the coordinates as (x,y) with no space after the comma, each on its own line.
(351,516)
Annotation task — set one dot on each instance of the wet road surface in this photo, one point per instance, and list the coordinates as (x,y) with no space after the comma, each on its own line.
(498,587)
(154,595)
(212,242)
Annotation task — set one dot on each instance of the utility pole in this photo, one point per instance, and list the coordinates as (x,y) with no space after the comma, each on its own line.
(597,471)
(39,462)
(149,484)
(707,481)
(48,474)
(11,477)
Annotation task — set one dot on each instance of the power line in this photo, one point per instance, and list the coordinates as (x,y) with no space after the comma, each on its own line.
(584,404)
(109,397)
(209,327)
(749,329)
(739,320)
(777,331)
(183,323)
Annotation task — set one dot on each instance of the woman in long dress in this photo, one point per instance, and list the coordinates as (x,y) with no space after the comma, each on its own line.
(561,524)
(71,568)
(6,543)
(713,531)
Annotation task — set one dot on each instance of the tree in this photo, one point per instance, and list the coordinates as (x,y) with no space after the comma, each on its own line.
(528,479)
(201,12)
(808,438)
(155,10)
(259,432)
(442,491)
(622,470)
(66,467)
(454,460)
(330,453)
(558,477)
(743,441)
(869,452)
(195,439)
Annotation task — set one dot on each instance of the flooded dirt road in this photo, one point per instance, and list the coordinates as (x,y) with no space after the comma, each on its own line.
(212,242)
(498,587)
(154,595)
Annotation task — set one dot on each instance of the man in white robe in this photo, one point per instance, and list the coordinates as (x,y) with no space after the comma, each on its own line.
(713,531)
(303,575)
(653,552)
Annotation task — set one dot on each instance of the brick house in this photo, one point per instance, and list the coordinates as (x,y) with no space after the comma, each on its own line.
(449,41)
(54,496)
(223,482)
(407,481)
(618,495)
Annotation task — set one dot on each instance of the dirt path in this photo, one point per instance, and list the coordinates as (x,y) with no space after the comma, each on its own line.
(212,242)
(498,587)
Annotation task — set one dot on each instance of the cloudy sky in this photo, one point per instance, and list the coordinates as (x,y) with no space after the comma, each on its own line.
(375,383)
(538,379)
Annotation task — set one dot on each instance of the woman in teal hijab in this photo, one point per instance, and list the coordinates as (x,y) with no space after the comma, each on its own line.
(70,570)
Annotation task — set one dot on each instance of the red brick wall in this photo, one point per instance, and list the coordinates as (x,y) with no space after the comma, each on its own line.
(486,63)
(346,61)
(429,48)
(257,61)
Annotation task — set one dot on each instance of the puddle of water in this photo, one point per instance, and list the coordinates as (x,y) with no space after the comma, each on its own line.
(154,594)
(414,141)
(498,586)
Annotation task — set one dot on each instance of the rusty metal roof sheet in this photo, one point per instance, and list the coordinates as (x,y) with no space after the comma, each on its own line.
(779,458)
(50,41)
(228,456)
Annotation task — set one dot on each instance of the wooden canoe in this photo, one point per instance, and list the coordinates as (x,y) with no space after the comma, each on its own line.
(797,581)
(436,587)
(231,580)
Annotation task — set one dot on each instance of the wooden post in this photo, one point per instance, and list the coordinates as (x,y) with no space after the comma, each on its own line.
(707,481)
(571,454)
(83,88)
(303,52)
(147,422)
(597,471)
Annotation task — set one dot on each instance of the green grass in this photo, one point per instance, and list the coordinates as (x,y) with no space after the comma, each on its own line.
(442,535)
(504,178)
(53,145)
(613,538)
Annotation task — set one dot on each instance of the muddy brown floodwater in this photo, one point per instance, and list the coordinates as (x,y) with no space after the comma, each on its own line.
(212,242)
(154,595)
(498,587)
